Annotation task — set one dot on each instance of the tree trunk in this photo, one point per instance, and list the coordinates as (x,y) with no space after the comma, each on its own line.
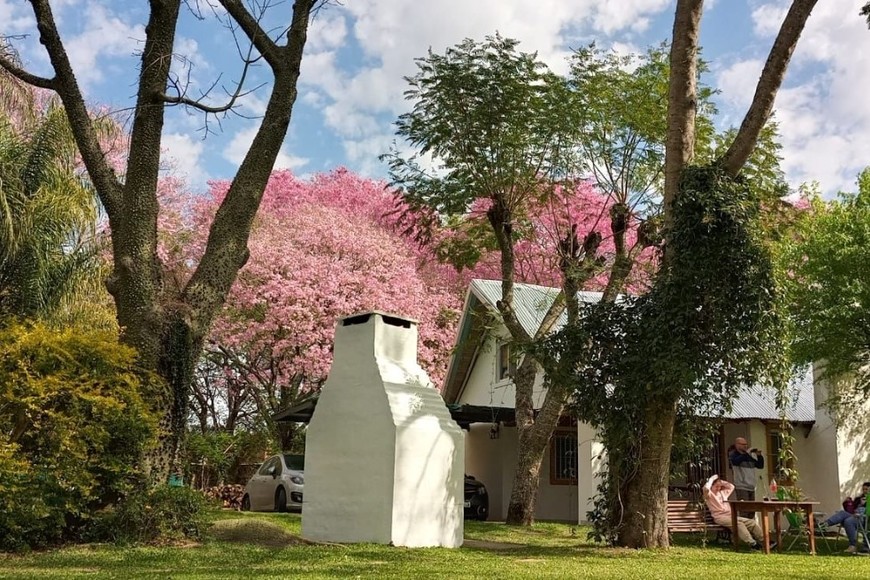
(682,96)
(646,494)
(533,435)
(166,329)
(178,353)
(286,435)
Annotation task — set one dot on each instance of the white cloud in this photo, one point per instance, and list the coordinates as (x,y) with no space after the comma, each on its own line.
(359,103)
(822,111)
(16,18)
(182,155)
(104,35)
(240,143)
(737,82)
(767,18)
(327,30)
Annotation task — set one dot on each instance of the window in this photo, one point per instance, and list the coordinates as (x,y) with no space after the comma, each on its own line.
(776,468)
(295,462)
(563,457)
(507,367)
(271,464)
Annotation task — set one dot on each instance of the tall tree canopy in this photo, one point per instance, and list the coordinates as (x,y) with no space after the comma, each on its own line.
(509,183)
(168,325)
(826,266)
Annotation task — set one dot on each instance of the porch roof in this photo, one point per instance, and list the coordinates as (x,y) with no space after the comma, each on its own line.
(462,414)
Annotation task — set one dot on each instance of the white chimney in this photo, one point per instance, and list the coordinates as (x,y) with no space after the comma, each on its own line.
(384,461)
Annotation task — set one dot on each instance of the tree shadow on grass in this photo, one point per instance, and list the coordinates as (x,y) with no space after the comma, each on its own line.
(254,532)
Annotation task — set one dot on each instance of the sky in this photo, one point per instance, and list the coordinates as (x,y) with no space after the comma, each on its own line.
(359,51)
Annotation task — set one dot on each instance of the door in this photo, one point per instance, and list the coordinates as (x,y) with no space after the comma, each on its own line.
(261,488)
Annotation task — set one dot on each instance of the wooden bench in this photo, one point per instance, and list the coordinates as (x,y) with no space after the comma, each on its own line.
(685,516)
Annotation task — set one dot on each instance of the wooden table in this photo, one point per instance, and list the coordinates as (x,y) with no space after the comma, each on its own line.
(775,507)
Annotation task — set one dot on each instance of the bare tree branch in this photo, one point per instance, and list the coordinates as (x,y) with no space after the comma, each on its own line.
(255,33)
(226,251)
(182,99)
(26,77)
(768,85)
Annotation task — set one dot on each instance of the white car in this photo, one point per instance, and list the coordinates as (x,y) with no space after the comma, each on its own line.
(277,485)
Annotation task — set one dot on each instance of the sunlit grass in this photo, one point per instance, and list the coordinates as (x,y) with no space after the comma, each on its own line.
(265,545)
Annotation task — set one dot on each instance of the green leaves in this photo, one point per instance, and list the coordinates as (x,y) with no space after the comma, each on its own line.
(74,427)
(826,269)
(487,121)
(48,217)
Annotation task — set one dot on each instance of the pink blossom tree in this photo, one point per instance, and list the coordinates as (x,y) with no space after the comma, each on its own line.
(320,249)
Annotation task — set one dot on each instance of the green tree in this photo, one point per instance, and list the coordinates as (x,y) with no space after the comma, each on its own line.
(166,325)
(608,118)
(826,266)
(689,329)
(48,212)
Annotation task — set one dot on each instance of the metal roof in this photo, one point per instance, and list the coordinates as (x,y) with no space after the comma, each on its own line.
(531,303)
(758,403)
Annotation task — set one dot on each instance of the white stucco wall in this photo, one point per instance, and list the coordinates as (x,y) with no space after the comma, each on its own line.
(384,459)
(483,389)
(591,454)
(493,461)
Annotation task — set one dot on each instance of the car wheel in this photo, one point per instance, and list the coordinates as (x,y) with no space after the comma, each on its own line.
(280,500)
(246,503)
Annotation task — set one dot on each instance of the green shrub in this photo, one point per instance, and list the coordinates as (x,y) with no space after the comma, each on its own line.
(217,457)
(73,430)
(161,513)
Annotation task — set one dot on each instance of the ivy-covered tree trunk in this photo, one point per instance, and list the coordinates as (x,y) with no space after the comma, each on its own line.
(645,523)
(646,493)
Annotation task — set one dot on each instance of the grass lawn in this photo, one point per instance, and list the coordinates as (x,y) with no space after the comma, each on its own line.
(263,545)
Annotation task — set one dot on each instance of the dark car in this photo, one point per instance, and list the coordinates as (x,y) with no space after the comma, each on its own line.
(476,500)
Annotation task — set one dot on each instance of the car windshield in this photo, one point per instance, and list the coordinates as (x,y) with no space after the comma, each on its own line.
(295,462)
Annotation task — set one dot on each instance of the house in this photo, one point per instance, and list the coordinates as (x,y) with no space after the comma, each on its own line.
(832,461)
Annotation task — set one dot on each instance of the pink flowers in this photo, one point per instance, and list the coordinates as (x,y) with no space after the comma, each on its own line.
(320,249)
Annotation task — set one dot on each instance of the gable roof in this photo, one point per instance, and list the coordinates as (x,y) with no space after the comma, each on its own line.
(531,303)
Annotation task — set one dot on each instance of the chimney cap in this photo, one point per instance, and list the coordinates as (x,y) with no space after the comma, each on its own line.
(389,318)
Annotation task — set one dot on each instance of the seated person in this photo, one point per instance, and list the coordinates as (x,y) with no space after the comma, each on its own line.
(716,494)
(846,516)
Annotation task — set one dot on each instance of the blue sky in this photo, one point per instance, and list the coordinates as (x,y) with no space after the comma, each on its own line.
(352,76)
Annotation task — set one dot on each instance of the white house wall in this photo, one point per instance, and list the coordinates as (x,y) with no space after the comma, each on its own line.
(483,389)
(819,460)
(591,453)
(851,438)
(493,462)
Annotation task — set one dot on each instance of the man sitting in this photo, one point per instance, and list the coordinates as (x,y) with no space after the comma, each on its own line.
(848,518)
(716,494)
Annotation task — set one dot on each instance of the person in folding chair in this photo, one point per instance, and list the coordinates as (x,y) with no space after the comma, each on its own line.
(852,517)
